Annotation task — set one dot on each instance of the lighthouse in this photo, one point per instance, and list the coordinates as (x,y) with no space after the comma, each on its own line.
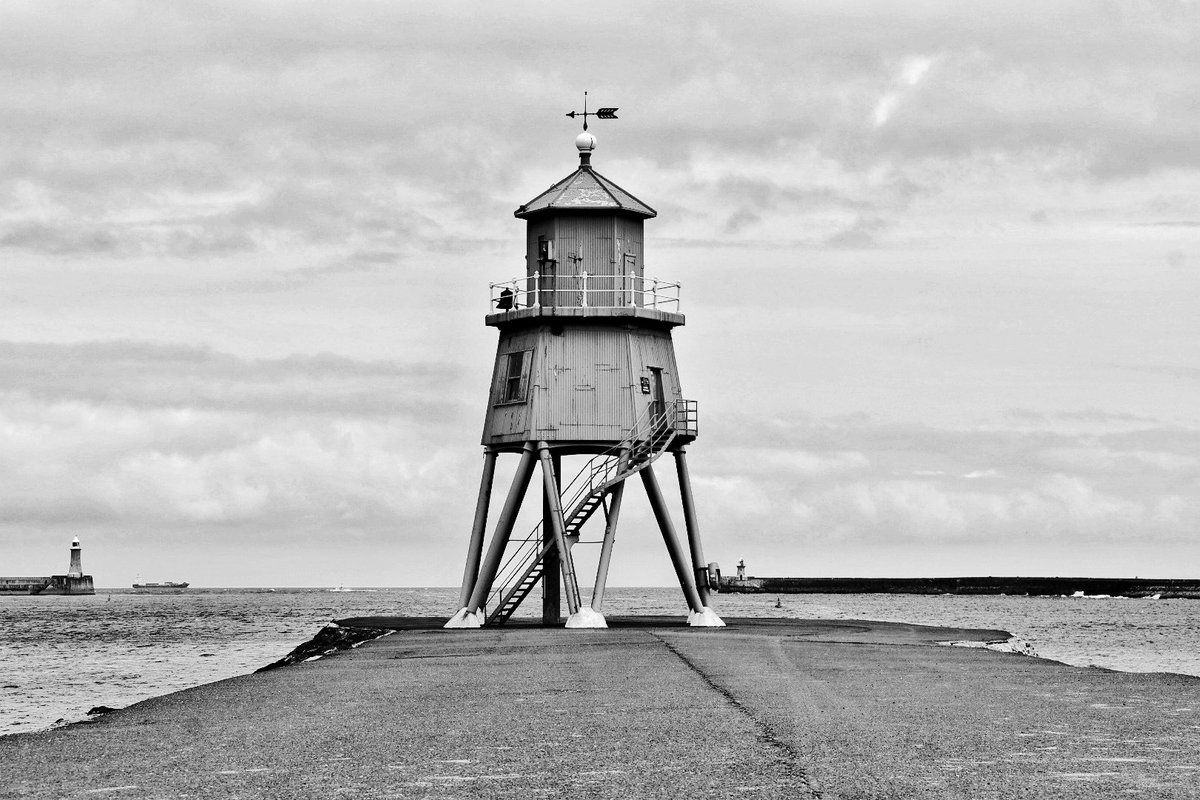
(76,568)
(585,370)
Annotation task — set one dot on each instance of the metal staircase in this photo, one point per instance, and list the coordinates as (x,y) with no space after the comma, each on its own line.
(651,436)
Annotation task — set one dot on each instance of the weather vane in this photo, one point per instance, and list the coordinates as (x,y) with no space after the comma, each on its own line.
(600,113)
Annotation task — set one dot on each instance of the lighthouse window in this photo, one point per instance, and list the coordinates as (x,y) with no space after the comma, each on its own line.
(516,377)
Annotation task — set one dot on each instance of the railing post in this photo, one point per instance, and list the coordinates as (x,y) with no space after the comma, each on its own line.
(584,276)
(537,290)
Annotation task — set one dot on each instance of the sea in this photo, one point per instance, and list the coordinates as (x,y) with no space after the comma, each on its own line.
(63,656)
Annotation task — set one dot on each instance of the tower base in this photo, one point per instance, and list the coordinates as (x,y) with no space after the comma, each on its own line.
(586,617)
(465,619)
(705,618)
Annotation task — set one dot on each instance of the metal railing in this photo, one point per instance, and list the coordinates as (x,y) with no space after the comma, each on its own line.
(647,440)
(551,290)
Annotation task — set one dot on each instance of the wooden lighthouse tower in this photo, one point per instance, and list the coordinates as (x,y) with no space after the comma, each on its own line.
(585,366)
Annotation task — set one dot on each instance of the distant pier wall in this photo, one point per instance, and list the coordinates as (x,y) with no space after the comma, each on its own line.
(1115,587)
(52,584)
(23,585)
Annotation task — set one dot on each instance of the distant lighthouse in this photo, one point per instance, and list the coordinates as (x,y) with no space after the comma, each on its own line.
(76,570)
(585,366)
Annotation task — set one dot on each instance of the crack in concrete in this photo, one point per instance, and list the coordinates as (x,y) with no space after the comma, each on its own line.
(766,732)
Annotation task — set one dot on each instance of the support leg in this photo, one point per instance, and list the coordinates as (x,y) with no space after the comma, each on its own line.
(560,538)
(700,615)
(551,562)
(471,616)
(692,525)
(475,549)
(610,534)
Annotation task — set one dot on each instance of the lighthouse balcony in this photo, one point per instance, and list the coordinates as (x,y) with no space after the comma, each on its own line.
(583,295)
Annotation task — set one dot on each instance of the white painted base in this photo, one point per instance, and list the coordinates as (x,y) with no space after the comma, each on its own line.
(586,617)
(707,618)
(465,619)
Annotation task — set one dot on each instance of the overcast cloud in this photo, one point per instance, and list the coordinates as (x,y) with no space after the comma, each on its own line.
(940,265)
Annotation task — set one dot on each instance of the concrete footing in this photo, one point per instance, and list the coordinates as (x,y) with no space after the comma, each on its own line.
(465,618)
(705,618)
(586,617)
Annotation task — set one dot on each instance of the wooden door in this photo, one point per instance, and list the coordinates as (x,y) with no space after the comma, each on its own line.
(658,400)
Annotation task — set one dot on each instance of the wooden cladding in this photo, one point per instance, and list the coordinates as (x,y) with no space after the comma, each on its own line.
(583,383)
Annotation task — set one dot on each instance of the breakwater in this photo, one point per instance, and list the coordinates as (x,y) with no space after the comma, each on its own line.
(74,582)
(1111,587)
(52,584)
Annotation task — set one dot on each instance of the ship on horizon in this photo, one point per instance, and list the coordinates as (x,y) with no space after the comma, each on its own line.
(138,583)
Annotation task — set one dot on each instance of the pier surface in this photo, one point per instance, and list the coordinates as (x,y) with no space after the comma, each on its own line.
(645,709)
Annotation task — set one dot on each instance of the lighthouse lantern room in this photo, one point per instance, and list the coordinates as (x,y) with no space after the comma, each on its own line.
(585,367)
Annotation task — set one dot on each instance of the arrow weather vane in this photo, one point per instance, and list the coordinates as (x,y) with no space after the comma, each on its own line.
(601,113)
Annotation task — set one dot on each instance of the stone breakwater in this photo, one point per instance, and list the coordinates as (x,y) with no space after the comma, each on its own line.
(52,584)
(329,640)
(1094,587)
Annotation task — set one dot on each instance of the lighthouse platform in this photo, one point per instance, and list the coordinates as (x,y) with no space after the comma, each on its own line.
(647,708)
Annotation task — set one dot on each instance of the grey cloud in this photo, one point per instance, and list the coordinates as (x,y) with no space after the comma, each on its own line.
(142,375)
(863,233)
(136,434)
(857,478)
(115,109)
(60,239)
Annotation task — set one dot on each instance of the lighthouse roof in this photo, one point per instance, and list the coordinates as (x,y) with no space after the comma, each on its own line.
(585,190)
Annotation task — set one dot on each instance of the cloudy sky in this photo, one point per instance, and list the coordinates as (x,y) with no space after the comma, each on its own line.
(940,265)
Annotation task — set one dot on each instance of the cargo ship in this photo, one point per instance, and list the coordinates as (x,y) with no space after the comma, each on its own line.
(155,586)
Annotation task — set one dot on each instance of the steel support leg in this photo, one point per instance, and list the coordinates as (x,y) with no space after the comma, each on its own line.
(556,519)
(551,562)
(504,526)
(475,549)
(678,557)
(610,533)
(692,524)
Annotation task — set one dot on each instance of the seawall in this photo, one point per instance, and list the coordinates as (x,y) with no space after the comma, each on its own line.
(1115,587)
(645,709)
(53,584)
(23,585)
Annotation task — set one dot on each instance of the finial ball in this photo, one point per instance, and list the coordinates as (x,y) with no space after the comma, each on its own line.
(585,142)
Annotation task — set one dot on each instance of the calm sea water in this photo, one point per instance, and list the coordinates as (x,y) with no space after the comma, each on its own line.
(60,656)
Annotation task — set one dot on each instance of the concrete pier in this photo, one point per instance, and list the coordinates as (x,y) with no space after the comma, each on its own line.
(647,708)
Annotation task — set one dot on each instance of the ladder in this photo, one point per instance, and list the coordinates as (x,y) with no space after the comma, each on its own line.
(651,436)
